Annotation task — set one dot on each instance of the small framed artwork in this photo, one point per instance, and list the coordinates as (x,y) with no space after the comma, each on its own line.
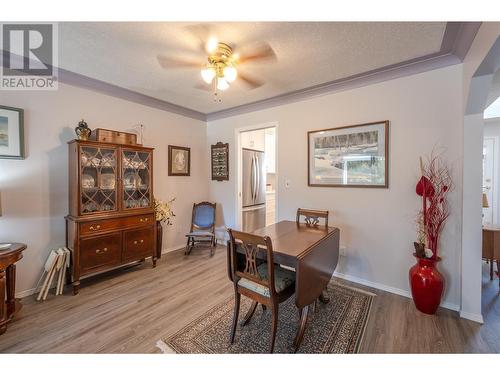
(349,156)
(220,161)
(179,161)
(11,133)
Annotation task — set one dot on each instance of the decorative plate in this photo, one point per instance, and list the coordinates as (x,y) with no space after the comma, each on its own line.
(88,181)
(132,181)
(108,160)
(85,158)
(108,181)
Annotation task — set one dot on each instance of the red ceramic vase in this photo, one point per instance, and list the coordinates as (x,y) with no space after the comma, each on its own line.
(427,284)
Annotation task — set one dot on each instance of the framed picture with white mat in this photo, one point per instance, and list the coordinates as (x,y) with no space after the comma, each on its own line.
(11,133)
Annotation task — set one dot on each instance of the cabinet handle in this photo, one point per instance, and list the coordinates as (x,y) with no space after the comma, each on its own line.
(144,220)
(142,241)
(136,242)
(97,227)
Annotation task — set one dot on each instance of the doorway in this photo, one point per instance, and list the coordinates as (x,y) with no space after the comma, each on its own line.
(257,176)
(478,181)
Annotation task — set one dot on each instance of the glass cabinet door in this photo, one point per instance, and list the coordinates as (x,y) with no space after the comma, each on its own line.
(98,177)
(136,173)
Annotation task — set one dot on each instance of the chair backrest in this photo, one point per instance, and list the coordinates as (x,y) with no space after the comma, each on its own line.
(203,216)
(312,216)
(250,247)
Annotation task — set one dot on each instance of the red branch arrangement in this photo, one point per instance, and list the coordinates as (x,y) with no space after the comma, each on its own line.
(433,187)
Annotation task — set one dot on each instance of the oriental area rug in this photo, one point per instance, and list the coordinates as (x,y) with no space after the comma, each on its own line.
(335,327)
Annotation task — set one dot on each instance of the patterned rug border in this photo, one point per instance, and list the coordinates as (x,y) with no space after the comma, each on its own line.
(168,348)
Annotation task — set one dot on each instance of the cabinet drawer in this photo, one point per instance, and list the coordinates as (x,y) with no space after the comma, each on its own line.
(139,243)
(100,252)
(99,226)
(113,224)
(138,220)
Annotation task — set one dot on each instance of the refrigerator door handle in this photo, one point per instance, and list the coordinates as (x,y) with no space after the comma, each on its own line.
(252,179)
(257,174)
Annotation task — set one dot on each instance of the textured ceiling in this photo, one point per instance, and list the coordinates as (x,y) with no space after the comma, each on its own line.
(309,53)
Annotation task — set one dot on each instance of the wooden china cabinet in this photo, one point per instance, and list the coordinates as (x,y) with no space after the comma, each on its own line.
(111,220)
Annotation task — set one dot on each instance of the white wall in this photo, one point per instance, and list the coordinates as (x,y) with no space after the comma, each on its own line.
(377,225)
(35,190)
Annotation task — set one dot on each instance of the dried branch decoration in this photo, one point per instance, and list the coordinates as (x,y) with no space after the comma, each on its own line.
(433,187)
(163,210)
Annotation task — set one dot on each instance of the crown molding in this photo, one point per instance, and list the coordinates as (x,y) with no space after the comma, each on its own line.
(79,80)
(457,39)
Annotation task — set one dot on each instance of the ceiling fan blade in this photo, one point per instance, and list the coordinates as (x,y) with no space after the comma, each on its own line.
(261,52)
(253,83)
(201,32)
(203,86)
(174,63)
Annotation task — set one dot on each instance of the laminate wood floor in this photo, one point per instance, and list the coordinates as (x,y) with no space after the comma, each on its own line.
(127,311)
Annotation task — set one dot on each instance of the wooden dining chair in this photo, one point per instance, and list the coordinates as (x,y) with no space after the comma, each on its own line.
(254,275)
(312,217)
(202,227)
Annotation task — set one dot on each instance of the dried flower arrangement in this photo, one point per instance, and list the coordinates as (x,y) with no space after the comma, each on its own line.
(163,210)
(433,187)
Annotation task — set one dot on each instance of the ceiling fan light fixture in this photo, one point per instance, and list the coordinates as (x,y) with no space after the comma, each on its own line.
(222,84)
(211,45)
(230,73)
(208,74)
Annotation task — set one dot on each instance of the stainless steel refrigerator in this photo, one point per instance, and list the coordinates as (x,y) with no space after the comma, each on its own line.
(253,190)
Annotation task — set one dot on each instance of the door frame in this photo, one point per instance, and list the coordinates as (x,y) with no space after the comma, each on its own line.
(494,183)
(237,152)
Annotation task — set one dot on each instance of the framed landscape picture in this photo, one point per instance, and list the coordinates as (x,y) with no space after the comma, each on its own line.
(11,133)
(350,156)
(179,161)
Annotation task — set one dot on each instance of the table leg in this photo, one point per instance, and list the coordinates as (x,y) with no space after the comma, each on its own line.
(304,312)
(3,307)
(11,290)
(498,272)
(491,269)
(323,297)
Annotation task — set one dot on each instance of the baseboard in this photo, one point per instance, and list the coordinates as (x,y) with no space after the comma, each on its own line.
(173,248)
(478,318)
(28,292)
(390,289)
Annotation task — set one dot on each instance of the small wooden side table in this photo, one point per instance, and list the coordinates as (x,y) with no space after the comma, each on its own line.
(8,304)
(491,246)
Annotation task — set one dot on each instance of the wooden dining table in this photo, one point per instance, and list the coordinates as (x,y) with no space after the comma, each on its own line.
(313,251)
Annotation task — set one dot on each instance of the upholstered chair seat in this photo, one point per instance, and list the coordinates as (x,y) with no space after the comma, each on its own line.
(199,233)
(283,279)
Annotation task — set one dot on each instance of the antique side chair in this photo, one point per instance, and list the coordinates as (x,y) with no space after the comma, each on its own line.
(312,216)
(202,227)
(312,219)
(253,273)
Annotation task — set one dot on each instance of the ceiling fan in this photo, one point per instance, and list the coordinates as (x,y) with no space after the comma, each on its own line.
(219,67)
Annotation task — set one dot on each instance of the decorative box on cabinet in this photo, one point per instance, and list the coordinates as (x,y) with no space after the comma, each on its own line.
(111,220)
